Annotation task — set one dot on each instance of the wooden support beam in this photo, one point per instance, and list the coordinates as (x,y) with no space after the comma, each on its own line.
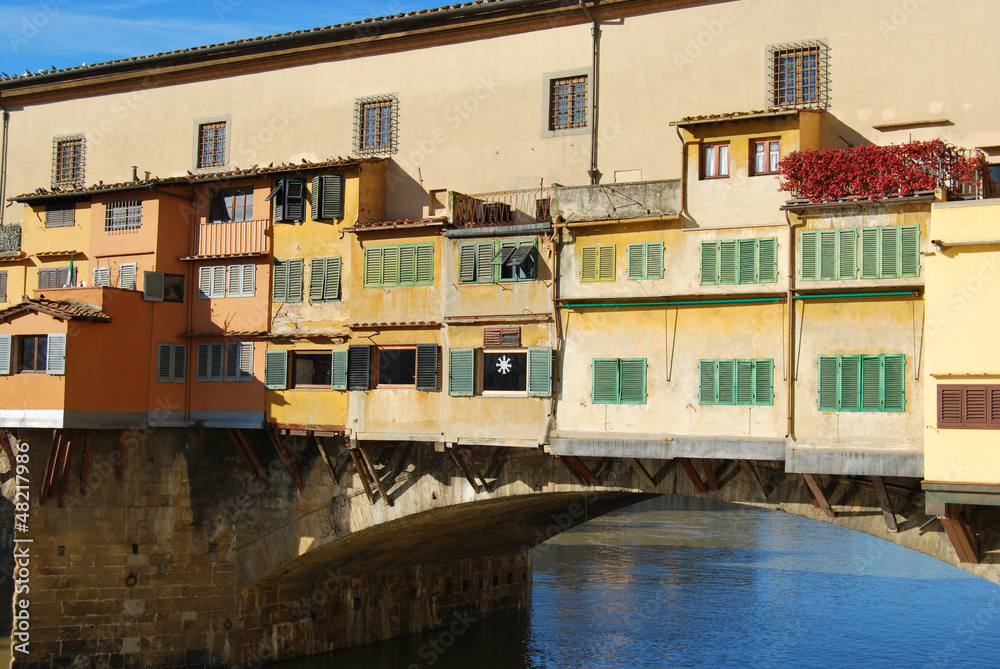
(641,470)
(286,458)
(359,464)
(475,470)
(961,537)
(120,468)
(55,446)
(818,495)
(8,448)
(755,484)
(322,454)
(588,476)
(86,464)
(883,498)
(247,454)
(465,469)
(378,481)
(572,470)
(65,466)
(699,485)
(713,483)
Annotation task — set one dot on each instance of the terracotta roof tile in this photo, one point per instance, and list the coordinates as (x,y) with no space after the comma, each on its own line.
(63,310)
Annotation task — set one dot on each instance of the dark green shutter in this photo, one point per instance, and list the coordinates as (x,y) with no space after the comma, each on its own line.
(338,369)
(276,370)
(484,263)
(767,263)
(163,362)
(763,381)
(889,253)
(654,262)
(296,267)
(540,372)
(327,197)
(708,375)
(467,263)
(871,383)
(427,367)
(808,255)
(632,382)
(829,260)
(636,257)
(847,246)
(728,261)
(827,383)
(359,365)
(461,372)
(909,251)
(747,262)
(894,382)
(280,291)
(292,200)
(727,382)
(744,381)
(604,387)
(709,263)
(869,253)
(317,278)
(331,290)
(850,383)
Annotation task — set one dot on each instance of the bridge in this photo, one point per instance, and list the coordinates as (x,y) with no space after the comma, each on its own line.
(163,548)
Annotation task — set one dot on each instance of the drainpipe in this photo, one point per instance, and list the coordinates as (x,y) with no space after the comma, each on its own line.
(790,360)
(684,174)
(595,174)
(3,162)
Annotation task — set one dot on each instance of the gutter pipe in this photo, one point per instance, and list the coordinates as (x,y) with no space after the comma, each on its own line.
(595,174)
(626,305)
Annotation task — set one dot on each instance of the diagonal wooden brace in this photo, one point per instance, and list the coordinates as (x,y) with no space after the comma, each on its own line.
(65,466)
(472,465)
(586,475)
(48,478)
(755,484)
(371,468)
(460,461)
(363,474)
(286,458)
(699,485)
(5,443)
(85,470)
(961,536)
(817,495)
(641,469)
(713,483)
(247,454)
(883,497)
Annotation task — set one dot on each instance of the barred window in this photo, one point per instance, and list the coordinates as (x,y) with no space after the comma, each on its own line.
(799,74)
(376,125)
(68,162)
(568,103)
(126,215)
(212,144)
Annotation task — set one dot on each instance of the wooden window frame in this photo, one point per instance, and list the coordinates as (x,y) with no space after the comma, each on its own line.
(768,143)
(714,160)
(242,201)
(568,108)
(41,345)
(377,367)
(292,363)
(69,155)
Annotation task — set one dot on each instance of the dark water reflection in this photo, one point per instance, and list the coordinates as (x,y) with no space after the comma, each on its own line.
(694,583)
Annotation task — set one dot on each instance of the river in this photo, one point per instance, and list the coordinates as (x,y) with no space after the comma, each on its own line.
(676,582)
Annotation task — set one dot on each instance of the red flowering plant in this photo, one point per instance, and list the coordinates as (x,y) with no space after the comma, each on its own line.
(875,172)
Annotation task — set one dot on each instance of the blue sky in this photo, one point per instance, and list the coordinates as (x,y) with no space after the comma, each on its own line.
(41,34)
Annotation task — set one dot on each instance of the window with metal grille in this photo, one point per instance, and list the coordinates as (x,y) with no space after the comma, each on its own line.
(568,103)
(798,74)
(399,265)
(739,261)
(862,382)
(765,156)
(619,381)
(736,381)
(232,204)
(68,161)
(968,406)
(212,144)
(126,215)
(376,125)
(715,160)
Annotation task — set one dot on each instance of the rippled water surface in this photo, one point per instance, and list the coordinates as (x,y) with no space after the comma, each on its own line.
(694,583)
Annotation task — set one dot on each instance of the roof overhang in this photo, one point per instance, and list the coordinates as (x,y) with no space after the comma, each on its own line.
(64,311)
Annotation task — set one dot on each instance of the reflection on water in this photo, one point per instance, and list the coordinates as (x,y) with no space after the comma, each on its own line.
(694,583)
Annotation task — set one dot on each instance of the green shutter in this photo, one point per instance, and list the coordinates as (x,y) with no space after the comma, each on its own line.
(373,267)
(317,278)
(808,265)
(461,372)
(425,264)
(427,367)
(747,261)
(390,266)
(828,256)
(539,372)
(276,370)
(485,272)
(654,260)
(869,253)
(636,256)
(359,366)
(744,381)
(331,291)
(909,251)
(467,263)
(727,382)
(767,262)
(707,380)
(728,262)
(407,265)
(588,263)
(604,389)
(847,251)
(850,383)
(606,263)
(632,385)
(871,383)
(894,394)
(327,197)
(296,267)
(280,291)
(827,383)
(889,258)
(55,361)
(338,369)
(763,381)
(709,263)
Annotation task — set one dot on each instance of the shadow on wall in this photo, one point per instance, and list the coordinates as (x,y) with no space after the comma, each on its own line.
(837,134)
(404,197)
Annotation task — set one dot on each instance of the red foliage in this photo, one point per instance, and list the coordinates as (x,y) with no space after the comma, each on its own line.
(876,172)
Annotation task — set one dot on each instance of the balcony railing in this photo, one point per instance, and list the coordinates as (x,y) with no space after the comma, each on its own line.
(232,238)
(10,239)
(508,207)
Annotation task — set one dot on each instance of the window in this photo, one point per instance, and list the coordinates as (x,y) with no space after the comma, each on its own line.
(568,103)
(239,361)
(209,362)
(68,162)
(736,382)
(406,366)
(376,125)
(33,354)
(504,372)
(311,370)
(288,280)
(402,265)
(233,204)
(289,197)
(798,74)
(597,263)
(619,381)
(160,287)
(327,197)
(56,277)
(3,286)
(969,407)
(396,366)
(739,261)
(890,252)
(766,155)
(862,382)
(123,216)
(645,261)
(126,275)
(324,279)
(60,215)
(171,363)
(827,255)
(241,280)
(500,260)
(715,161)
(211,144)
(211,281)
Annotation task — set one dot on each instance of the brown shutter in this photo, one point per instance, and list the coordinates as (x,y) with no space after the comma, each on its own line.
(501,336)
(975,413)
(949,406)
(994,406)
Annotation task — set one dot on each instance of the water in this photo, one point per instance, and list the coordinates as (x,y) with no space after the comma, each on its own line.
(696,583)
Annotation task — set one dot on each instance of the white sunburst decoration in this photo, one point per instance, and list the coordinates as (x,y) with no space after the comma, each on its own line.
(504,365)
